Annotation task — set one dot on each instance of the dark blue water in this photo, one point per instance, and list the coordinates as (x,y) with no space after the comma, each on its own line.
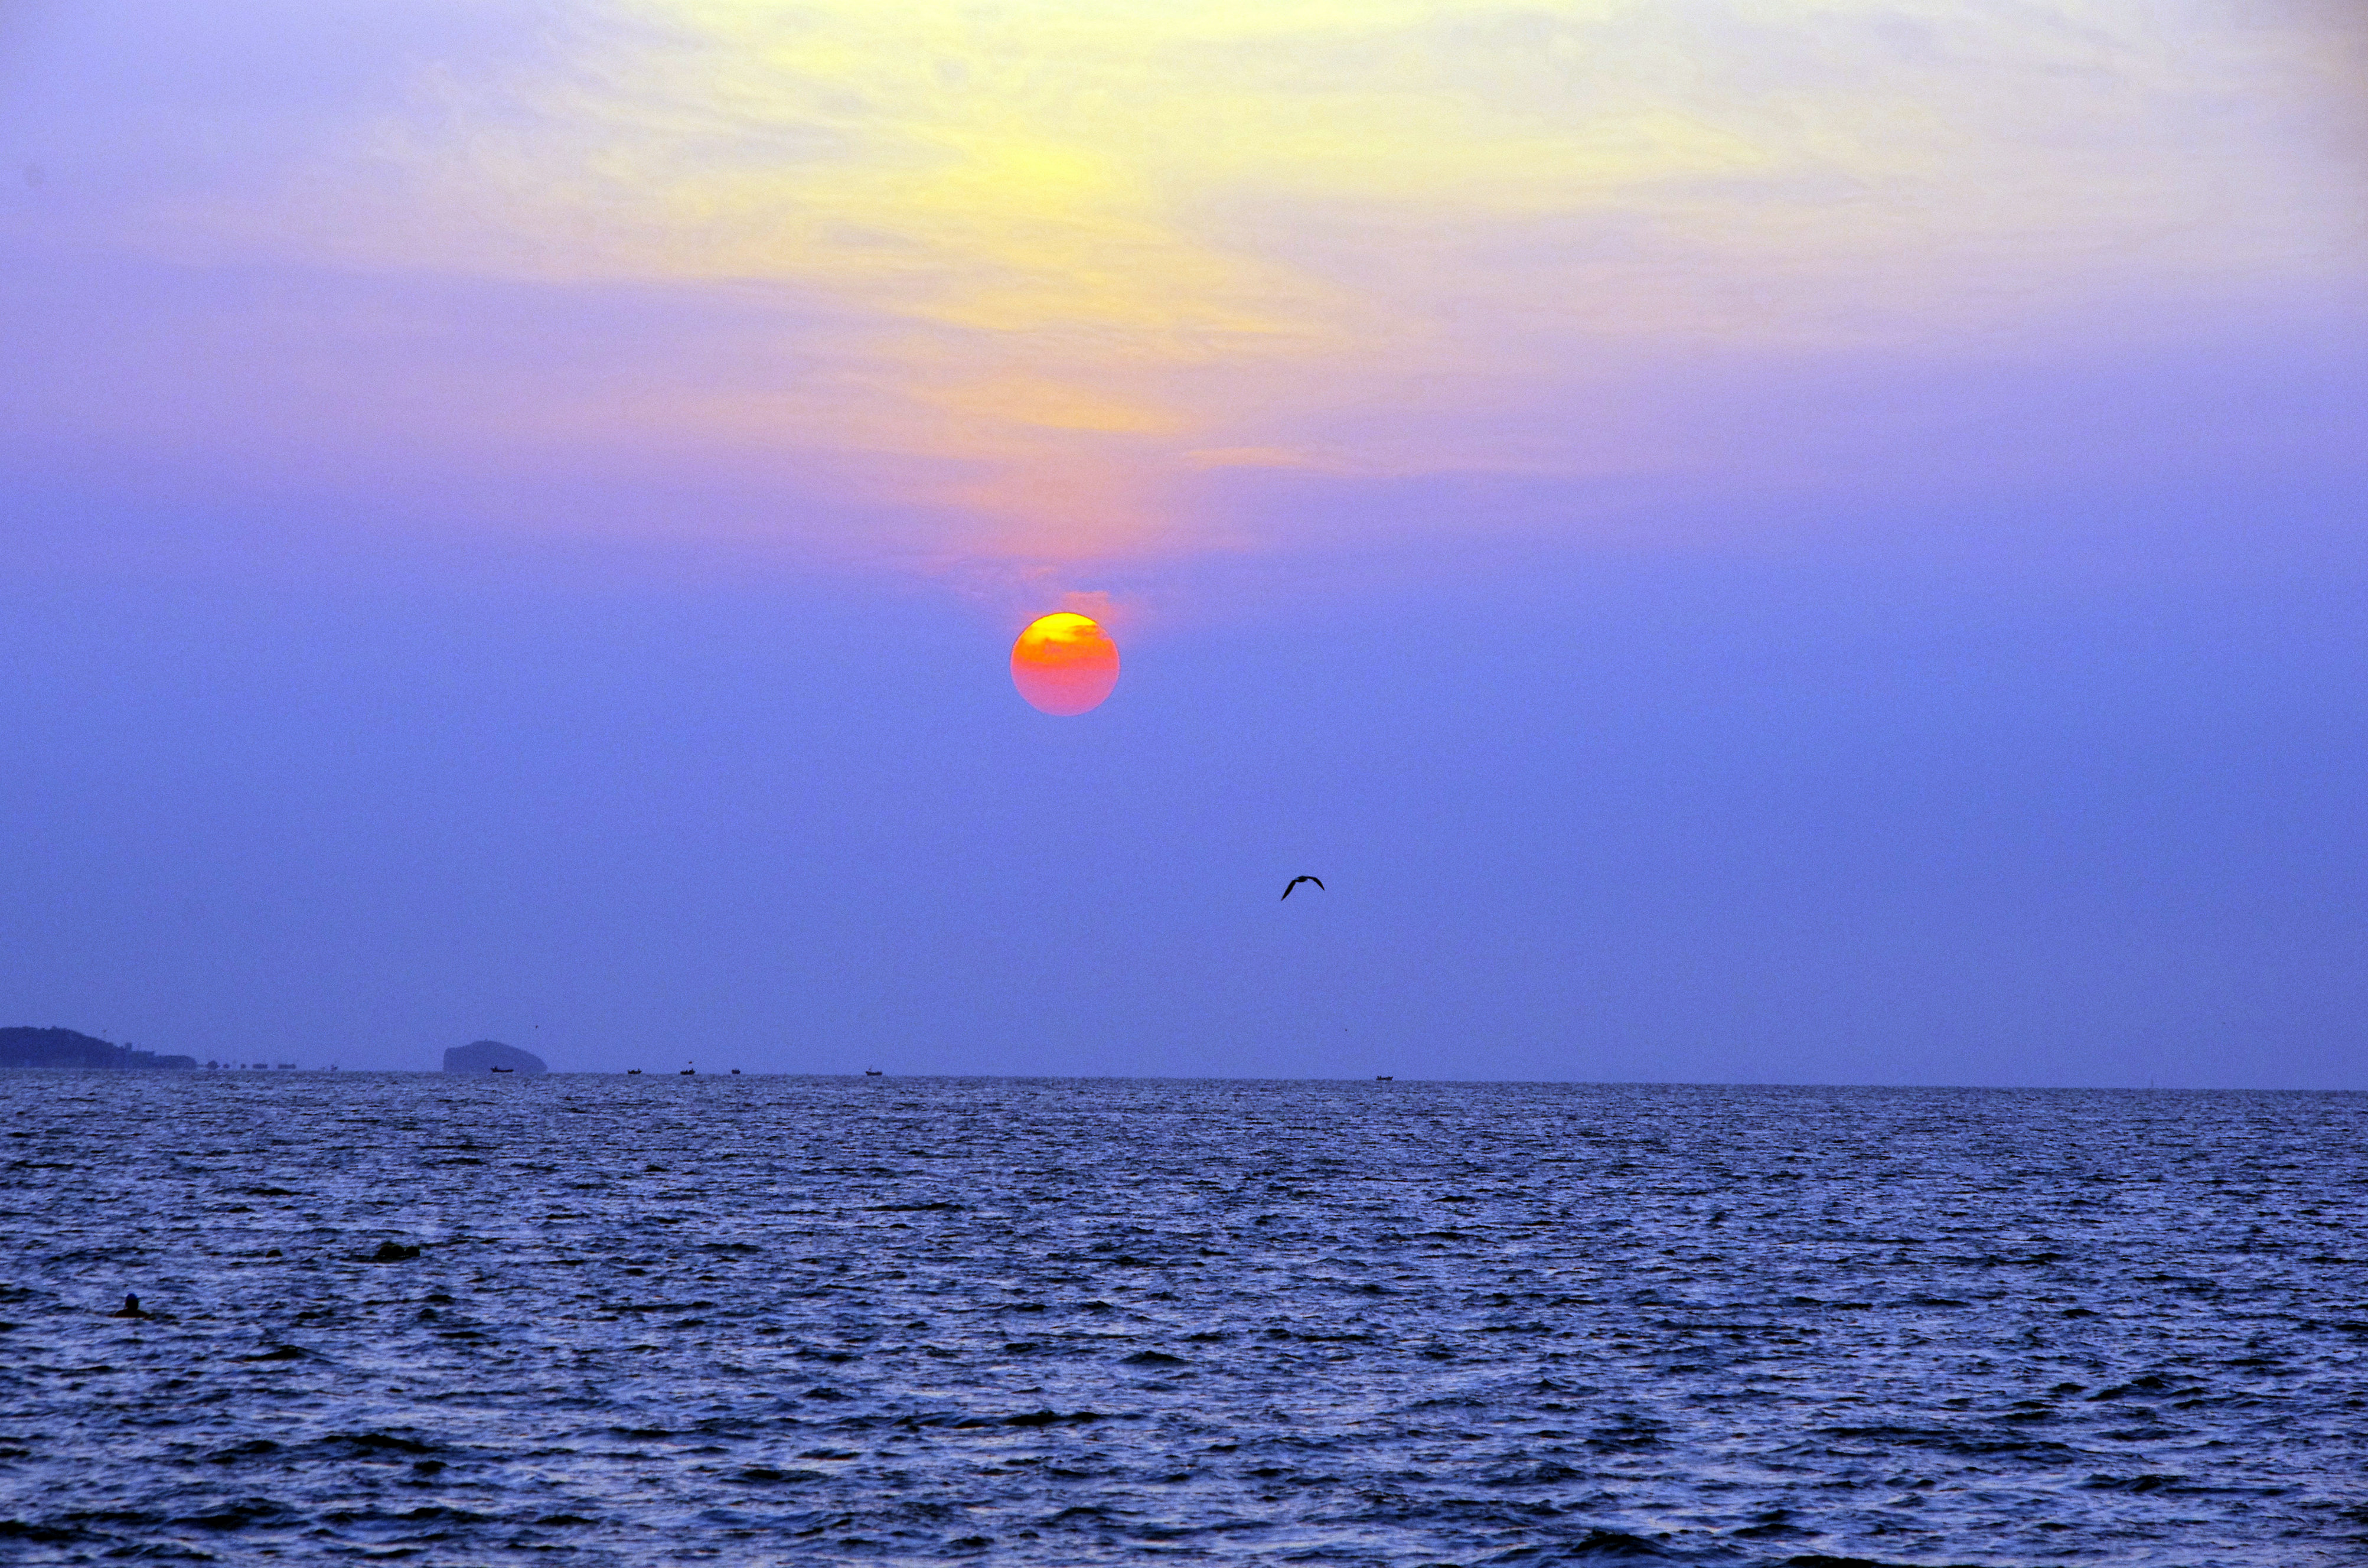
(661,1320)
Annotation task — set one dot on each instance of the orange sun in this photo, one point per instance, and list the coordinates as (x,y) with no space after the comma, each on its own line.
(1065,663)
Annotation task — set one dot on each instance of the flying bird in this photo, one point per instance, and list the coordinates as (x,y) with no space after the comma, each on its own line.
(1296,880)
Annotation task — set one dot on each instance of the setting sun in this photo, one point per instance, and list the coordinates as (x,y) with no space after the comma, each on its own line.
(1065,663)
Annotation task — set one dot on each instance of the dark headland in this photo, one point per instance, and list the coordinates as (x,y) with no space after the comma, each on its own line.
(67,1048)
(492,1056)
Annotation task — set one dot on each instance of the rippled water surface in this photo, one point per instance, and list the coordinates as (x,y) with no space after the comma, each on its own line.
(811,1320)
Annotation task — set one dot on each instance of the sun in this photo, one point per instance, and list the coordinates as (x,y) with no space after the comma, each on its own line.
(1065,663)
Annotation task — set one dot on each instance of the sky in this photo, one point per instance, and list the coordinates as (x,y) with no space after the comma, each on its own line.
(1745,542)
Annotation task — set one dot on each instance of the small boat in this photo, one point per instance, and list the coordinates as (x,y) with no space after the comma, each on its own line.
(632,1071)
(1384,1078)
(501,1069)
(689,1072)
(872,1072)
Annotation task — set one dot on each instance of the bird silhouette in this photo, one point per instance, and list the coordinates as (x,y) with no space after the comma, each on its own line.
(1296,880)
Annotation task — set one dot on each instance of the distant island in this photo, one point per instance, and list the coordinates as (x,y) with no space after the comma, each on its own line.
(66,1048)
(492,1056)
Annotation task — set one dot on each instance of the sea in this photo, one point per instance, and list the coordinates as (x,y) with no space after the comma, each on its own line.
(639,1320)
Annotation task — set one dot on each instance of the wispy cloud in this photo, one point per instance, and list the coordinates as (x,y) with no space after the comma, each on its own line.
(1036,267)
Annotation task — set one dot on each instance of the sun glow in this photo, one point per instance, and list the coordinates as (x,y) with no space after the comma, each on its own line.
(1065,663)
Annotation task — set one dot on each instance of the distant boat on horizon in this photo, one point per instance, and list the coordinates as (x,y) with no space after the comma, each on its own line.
(1384,1078)
(501,1069)
(872,1072)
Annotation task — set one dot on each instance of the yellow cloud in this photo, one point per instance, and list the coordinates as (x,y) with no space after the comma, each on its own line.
(1041,405)
(1075,249)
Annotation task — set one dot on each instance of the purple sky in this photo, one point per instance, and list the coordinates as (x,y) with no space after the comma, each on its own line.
(1743,542)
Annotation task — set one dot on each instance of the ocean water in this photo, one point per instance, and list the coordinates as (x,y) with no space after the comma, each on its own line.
(764,1320)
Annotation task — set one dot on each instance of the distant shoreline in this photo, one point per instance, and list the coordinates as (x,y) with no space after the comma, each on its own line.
(26,1047)
(1400,1086)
